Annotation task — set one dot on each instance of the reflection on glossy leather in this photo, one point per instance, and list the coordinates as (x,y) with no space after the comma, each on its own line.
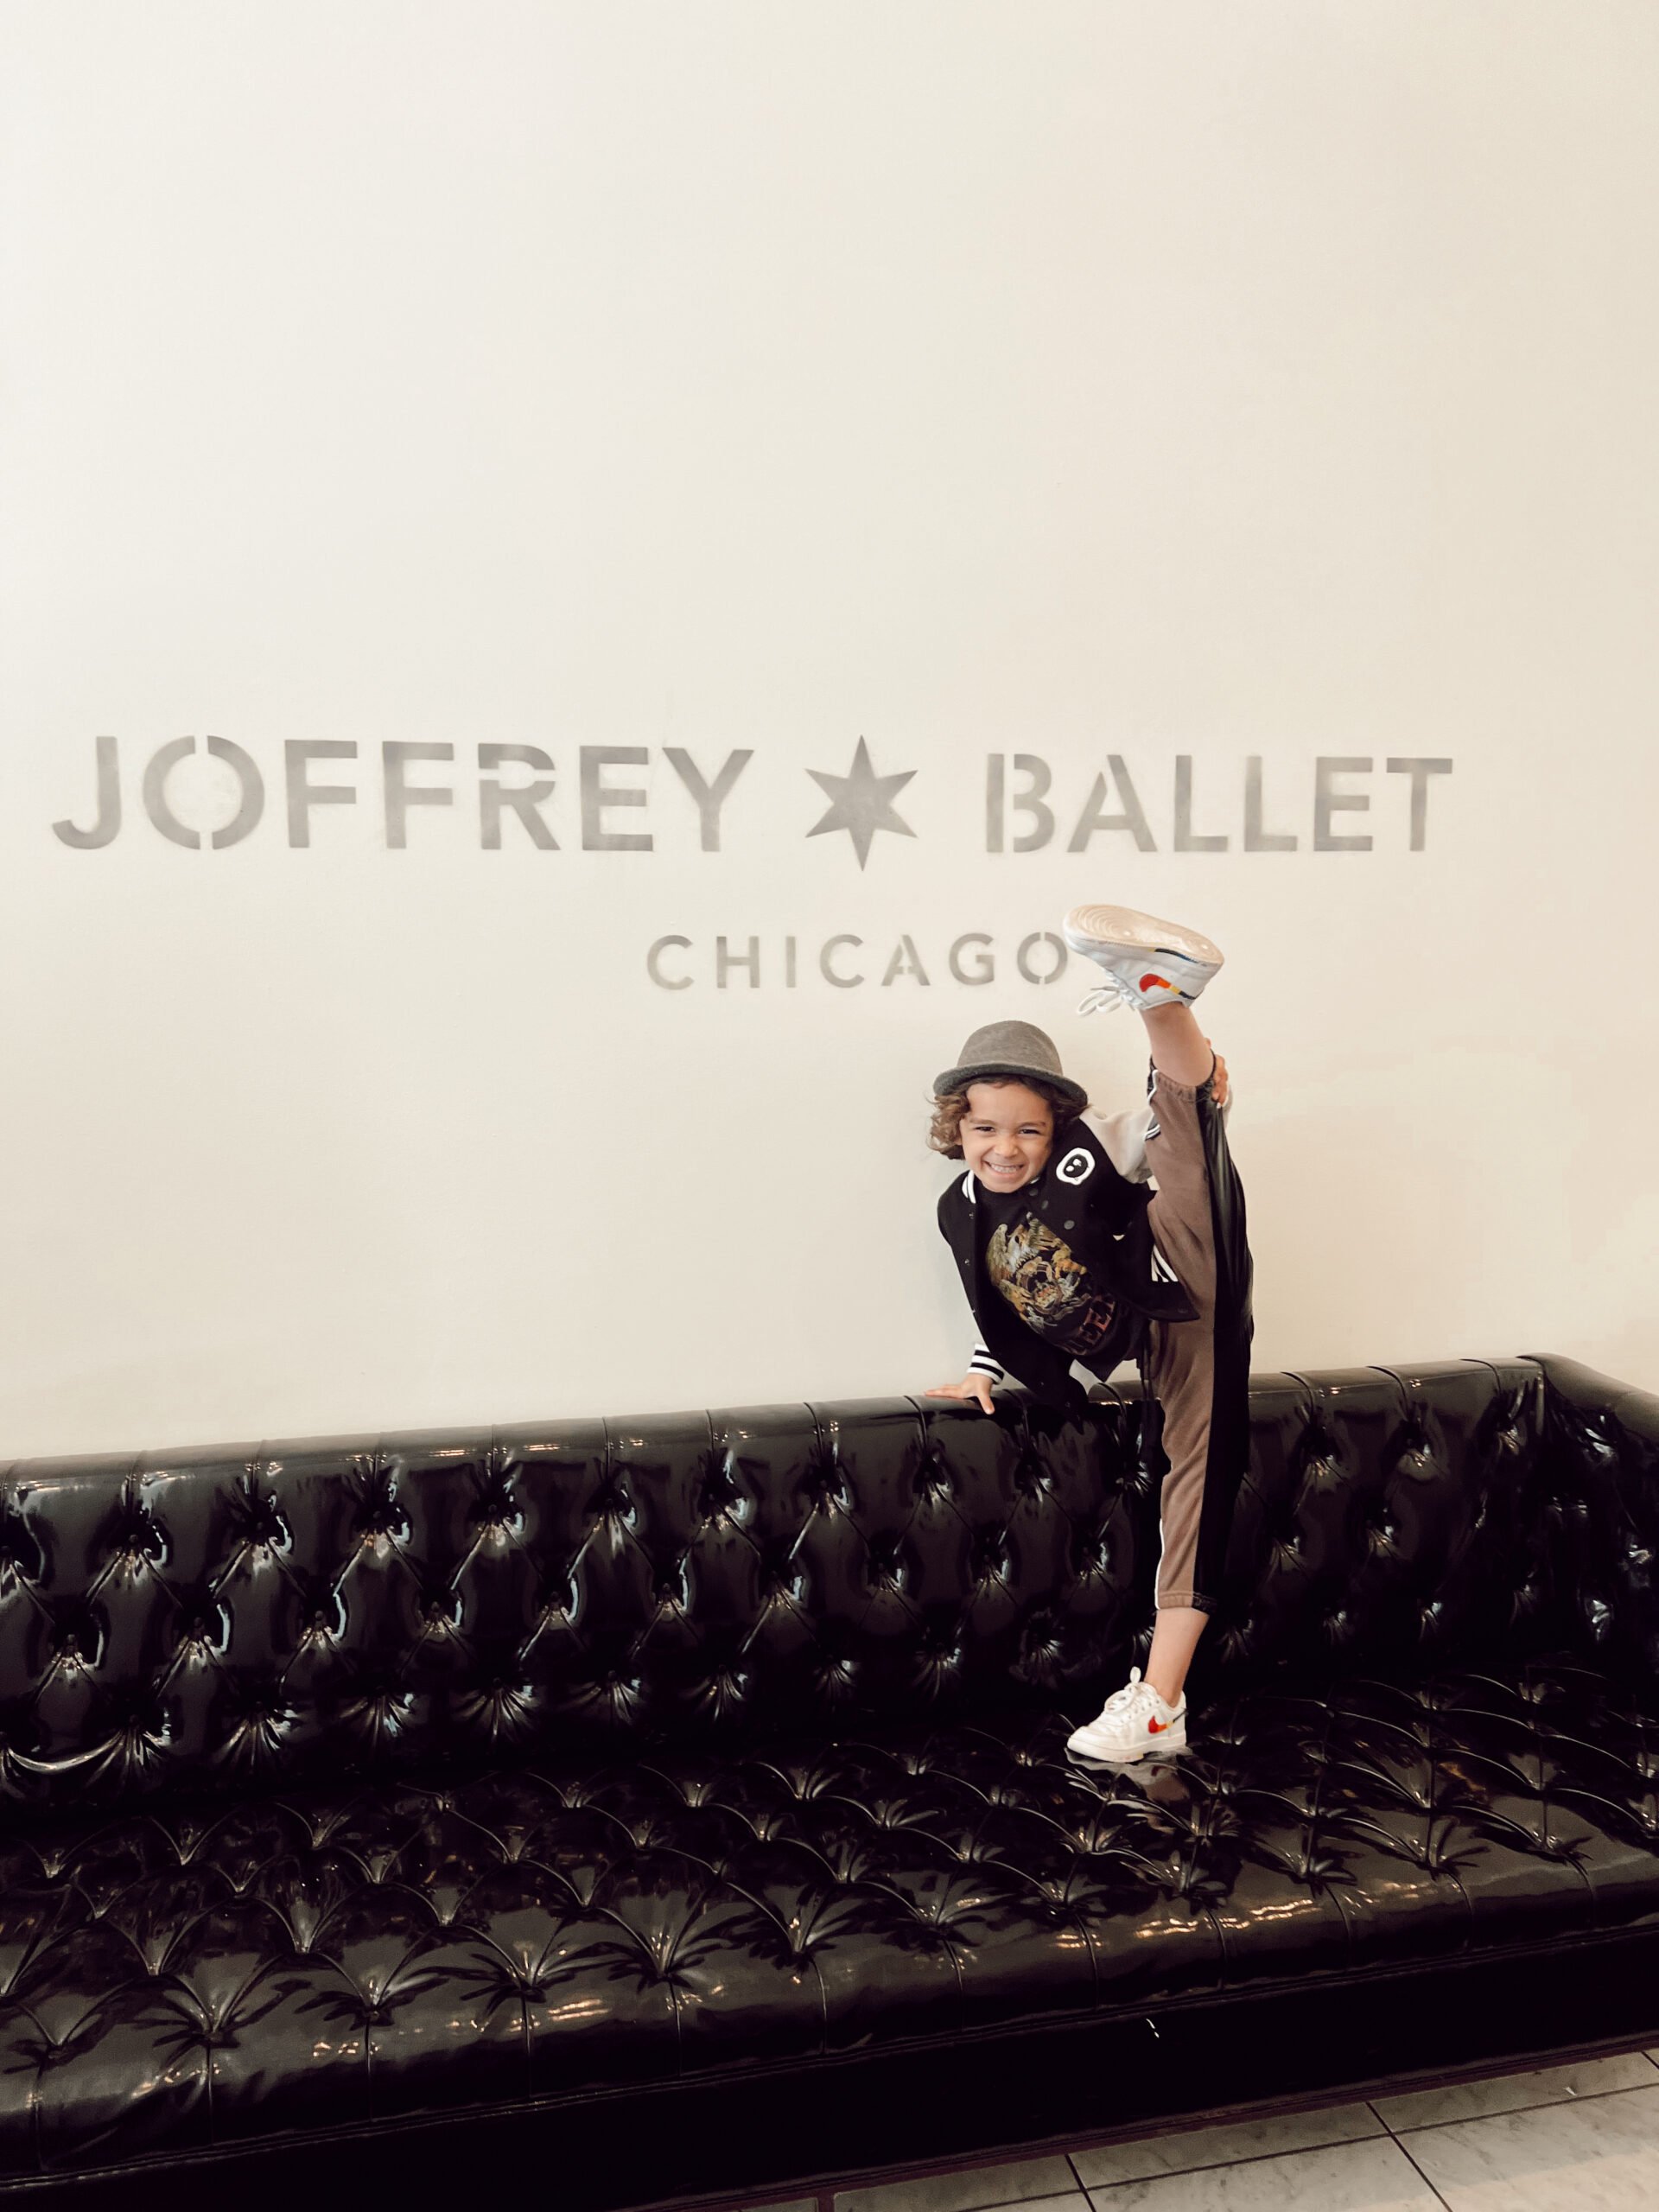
(353,1780)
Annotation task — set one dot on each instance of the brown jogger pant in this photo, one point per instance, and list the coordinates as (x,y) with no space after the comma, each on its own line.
(1183,1352)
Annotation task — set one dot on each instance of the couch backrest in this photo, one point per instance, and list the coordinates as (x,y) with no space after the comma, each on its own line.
(1394,1518)
(268,1609)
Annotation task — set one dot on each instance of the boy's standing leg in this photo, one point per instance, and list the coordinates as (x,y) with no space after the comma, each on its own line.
(1183,1352)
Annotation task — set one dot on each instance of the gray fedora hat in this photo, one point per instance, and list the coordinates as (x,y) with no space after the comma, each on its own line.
(1012,1049)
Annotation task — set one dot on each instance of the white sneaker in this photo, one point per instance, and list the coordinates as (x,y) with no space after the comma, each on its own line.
(1134,1721)
(1148,962)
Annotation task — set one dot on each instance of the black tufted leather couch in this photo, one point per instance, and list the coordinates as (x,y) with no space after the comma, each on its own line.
(633,1809)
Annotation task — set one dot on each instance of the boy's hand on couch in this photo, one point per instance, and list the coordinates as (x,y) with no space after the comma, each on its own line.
(977,1386)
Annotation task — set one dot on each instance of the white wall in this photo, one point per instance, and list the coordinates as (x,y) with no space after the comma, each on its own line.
(1077,380)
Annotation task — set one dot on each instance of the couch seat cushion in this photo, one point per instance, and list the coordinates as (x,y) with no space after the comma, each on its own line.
(191,1975)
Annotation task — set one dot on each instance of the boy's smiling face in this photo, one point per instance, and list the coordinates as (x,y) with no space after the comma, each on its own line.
(1007,1133)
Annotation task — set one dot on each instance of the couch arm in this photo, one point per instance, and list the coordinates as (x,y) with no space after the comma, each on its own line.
(1603,1441)
(1636,1411)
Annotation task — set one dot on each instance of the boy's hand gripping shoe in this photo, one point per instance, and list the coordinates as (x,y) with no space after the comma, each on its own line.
(1148,963)
(1134,1720)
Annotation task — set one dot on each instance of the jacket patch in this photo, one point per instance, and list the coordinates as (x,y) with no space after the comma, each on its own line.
(1076,1168)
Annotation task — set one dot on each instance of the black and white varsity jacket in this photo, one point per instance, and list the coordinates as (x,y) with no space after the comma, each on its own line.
(1103,1216)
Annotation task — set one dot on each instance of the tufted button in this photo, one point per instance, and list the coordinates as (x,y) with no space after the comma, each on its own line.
(262,1523)
(503,1711)
(614,1504)
(932,1478)
(1031,1478)
(558,1595)
(204,1628)
(78,1637)
(835,1676)
(378,1716)
(323,1617)
(1091,1553)
(496,1512)
(719,1494)
(888,1566)
(990,1561)
(139,1541)
(671,1587)
(824,1487)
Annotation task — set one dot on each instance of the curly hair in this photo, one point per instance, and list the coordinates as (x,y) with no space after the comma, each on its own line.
(949,1106)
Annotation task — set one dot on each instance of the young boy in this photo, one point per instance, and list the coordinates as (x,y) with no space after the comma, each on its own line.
(1071,1250)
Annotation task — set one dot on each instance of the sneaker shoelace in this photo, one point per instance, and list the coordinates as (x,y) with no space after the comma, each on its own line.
(1105,998)
(1134,1693)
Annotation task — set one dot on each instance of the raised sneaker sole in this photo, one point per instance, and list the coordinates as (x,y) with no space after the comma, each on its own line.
(1107,929)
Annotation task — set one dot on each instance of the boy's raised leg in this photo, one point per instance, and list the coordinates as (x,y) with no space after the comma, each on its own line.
(1180,1048)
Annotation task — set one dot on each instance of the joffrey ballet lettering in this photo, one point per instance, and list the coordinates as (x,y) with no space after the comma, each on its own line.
(211,793)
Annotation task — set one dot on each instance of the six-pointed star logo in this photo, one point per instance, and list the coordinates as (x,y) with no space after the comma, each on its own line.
(863,802)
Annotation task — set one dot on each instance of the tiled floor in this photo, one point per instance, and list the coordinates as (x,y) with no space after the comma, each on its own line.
(1582,2138)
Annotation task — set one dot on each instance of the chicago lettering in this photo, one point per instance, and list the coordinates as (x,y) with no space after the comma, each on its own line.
(846,962)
